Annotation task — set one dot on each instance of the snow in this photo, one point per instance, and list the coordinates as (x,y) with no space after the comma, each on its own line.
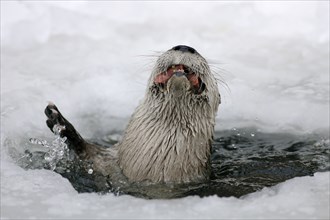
(93,59)
(44,194)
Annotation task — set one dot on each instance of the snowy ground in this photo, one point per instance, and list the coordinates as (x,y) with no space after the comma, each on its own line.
(93,60)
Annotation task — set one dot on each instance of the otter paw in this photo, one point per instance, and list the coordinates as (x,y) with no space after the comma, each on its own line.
(55,121)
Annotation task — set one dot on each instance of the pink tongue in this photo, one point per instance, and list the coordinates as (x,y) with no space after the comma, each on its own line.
(164,76)
(193,79)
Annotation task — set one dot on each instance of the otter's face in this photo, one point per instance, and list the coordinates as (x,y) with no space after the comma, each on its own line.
(181,71)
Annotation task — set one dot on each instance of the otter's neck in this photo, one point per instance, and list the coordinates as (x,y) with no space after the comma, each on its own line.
(168,140)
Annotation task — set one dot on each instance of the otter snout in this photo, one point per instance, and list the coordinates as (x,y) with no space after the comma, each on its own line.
(178,84)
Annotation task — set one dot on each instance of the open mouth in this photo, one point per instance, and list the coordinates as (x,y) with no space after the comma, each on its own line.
(180,70)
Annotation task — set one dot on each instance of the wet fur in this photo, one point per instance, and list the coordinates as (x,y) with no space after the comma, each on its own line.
(168,138)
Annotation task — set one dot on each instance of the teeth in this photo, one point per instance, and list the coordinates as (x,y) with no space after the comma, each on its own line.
(178,68)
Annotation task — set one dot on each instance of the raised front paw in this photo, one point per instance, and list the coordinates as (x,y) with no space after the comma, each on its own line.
(55,121)
(60,126)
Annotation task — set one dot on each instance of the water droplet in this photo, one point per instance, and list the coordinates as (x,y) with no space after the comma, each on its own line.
(48,158)
(52,166)
(38,141)
(57,150)
(33,140)
(27,154)
(58,128)
(61,153)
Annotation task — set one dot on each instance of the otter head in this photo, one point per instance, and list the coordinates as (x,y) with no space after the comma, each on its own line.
(168,138)
(181,71)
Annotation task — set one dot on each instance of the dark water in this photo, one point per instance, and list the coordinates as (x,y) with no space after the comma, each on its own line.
(241,164)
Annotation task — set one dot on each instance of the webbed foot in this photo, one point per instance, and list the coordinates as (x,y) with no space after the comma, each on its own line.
(59,125)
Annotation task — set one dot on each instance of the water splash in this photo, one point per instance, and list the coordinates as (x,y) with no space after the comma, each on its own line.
(56,150)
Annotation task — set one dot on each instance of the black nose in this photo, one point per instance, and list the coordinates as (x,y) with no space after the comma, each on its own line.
(184,48)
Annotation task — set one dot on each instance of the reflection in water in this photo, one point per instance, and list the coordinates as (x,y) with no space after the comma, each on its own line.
(242,162)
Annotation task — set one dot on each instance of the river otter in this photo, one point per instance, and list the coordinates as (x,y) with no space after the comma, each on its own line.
(168,138)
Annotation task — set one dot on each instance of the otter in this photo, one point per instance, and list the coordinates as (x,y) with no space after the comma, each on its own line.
(168,138)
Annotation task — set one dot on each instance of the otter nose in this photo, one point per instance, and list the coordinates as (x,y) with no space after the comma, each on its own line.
(179,73)
(184,48)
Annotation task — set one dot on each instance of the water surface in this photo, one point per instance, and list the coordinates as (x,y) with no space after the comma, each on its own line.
(242,162)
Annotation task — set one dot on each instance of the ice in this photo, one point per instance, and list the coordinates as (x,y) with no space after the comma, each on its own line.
(93,59)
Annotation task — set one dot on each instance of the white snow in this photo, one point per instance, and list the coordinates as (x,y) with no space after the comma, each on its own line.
(92,59)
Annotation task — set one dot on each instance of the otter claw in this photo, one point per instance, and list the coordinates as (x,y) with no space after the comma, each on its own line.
(54,118)
(48,111)
(50,123)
